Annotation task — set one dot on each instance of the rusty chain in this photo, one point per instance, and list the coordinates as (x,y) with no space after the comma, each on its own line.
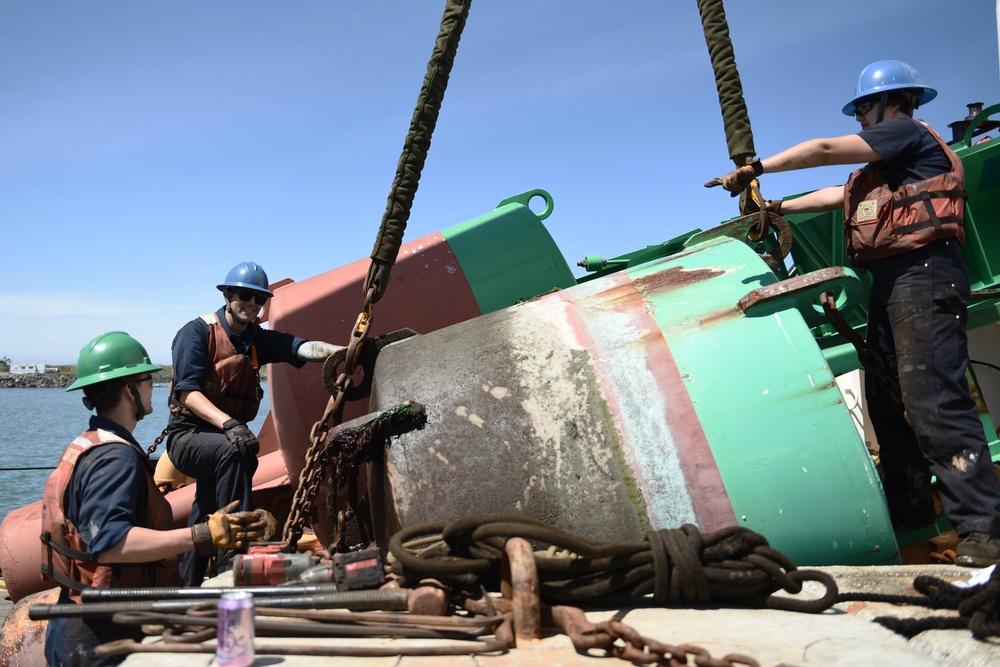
(156,443)
(317,456)
(521,593)
(643,650)
(524,616)
(871,360)
(387,245)
(616,638)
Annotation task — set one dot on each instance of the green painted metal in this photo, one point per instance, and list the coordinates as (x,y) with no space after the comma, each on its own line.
(598,266)
(791,459)
(539,265)
(982,233)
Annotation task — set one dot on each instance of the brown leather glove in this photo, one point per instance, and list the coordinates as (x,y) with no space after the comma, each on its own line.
(223,530)
(773,206)
(258,525)
(739,179)
(241,437)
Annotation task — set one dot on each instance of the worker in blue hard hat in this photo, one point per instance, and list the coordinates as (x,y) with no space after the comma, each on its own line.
(215,391)
(104,521)
(905,213)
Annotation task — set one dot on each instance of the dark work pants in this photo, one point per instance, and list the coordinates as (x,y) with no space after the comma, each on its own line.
(916,320)
(223,475)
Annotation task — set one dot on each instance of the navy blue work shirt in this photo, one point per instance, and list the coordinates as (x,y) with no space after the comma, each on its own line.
(191,364)
(105,498)
(909,152)
(106,495)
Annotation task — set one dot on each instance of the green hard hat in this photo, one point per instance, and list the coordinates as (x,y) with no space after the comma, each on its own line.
(109,356)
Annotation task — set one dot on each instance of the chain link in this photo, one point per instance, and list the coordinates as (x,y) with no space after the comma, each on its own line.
(642,650)
(311,477)
(156,443)
(317,457)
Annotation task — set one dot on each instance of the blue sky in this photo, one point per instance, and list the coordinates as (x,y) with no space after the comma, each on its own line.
(147,147)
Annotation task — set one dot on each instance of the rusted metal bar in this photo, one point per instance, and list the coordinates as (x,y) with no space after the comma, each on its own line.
(129,646)
(383,600)
(355,436)
(265,626)
(473,625)
(133,594)
(520,584)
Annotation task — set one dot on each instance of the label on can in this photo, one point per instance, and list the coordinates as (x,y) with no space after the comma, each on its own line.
(235,630)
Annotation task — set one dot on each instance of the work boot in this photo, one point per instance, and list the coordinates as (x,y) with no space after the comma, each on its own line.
(978,550)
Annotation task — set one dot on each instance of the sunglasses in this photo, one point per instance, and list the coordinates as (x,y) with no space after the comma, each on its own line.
(248,295)
(148,378)
(864,106)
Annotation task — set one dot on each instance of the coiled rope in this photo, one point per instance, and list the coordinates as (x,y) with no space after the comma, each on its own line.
(734,564)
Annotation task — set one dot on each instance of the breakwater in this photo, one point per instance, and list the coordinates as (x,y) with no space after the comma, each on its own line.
(51,380)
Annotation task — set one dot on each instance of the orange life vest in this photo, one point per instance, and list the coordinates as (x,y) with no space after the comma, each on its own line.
(880,222)
(64,555)
(233,383)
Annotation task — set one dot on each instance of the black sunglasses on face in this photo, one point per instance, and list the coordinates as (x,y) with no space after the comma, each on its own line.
(864,106)
(247,295)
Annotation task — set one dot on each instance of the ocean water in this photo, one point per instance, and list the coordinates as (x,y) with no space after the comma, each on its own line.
(37,424)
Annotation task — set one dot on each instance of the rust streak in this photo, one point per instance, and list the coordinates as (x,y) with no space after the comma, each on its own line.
(712,319)
(674,277)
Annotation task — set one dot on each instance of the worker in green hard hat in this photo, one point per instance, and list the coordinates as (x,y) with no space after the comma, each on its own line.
(215,391)
(905,213)
(104,521)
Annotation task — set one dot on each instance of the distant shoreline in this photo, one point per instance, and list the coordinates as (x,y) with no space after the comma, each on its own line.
(52,380)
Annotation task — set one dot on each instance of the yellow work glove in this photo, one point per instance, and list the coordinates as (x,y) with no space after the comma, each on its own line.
(223,530)
(738,180)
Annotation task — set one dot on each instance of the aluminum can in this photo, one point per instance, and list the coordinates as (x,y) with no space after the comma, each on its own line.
(235,631)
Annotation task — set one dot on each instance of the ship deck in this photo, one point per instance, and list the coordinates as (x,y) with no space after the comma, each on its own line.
(843,635)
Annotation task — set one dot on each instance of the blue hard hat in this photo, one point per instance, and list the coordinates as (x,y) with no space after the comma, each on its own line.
(885,75)
(249,275)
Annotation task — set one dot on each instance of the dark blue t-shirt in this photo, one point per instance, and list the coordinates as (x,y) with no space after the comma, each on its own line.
(909,152)
(191,364)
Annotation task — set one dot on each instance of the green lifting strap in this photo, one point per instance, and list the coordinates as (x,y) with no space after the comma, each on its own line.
(739,137)
(418,139)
